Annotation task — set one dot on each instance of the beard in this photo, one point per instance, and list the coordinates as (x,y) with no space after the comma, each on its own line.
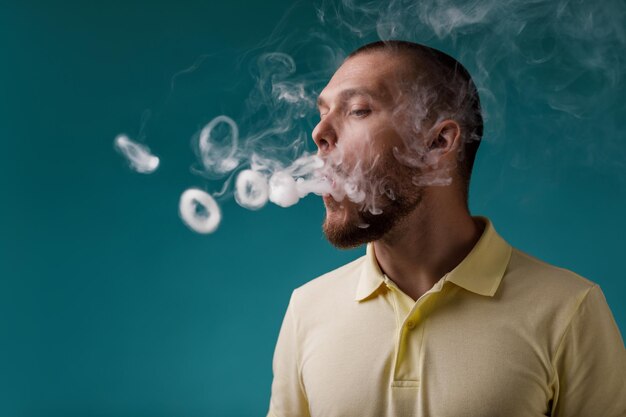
(357,226)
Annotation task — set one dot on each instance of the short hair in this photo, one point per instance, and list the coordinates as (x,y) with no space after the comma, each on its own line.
(457,97)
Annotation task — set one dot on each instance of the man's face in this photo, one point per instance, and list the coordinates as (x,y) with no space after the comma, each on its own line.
(361,119)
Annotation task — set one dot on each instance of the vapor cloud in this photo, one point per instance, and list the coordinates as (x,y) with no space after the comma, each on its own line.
(549,65)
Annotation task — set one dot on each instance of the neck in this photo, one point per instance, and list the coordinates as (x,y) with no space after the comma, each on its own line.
(427,244)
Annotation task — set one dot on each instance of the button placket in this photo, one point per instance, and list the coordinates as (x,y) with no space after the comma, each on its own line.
(409,320)
(410,341)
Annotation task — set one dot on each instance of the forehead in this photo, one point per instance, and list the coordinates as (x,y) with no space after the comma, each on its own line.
(376,72)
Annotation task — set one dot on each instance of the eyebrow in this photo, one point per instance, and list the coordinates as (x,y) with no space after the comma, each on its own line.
(347,94)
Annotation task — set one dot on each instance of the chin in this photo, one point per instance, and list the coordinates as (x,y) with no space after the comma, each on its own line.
(344,224)
(344,231)
(343,237)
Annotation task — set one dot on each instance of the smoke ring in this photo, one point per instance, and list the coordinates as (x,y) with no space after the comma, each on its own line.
(201,223)
(219,158)
(251,189)
(138,156)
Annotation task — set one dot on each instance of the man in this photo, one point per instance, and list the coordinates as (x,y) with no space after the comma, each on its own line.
(441,317)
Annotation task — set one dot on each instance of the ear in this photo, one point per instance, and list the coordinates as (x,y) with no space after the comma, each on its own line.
(444,141)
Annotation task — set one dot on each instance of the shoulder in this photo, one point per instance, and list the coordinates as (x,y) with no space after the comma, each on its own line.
(336,286)
(542,301)
(540,288)
(536,272)
(340,279)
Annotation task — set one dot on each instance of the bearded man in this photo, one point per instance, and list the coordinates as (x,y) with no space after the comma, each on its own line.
(441,317)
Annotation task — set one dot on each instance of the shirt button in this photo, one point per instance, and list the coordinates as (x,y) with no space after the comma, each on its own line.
(410,324)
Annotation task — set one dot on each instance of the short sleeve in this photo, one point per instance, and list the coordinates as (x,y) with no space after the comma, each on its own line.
(288,398)
(591,363)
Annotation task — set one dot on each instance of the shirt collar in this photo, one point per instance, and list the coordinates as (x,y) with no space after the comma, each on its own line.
(480,272)
(371,275)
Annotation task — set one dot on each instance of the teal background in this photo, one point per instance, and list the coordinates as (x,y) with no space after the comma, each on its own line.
(109,305)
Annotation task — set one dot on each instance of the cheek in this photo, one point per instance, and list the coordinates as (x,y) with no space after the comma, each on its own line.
(365,142)
(354,145)
(384,143)
(365,135)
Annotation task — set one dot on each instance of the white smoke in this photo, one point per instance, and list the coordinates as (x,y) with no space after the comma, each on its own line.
(251,189)
(218,152)
(138,156)
(560,60)
(199,211)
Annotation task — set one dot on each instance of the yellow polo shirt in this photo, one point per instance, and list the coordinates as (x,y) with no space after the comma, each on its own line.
(501,335)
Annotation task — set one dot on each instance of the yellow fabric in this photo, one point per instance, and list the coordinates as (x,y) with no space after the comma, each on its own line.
(502,335)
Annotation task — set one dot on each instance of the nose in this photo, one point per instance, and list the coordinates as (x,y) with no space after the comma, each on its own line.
(324,136)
